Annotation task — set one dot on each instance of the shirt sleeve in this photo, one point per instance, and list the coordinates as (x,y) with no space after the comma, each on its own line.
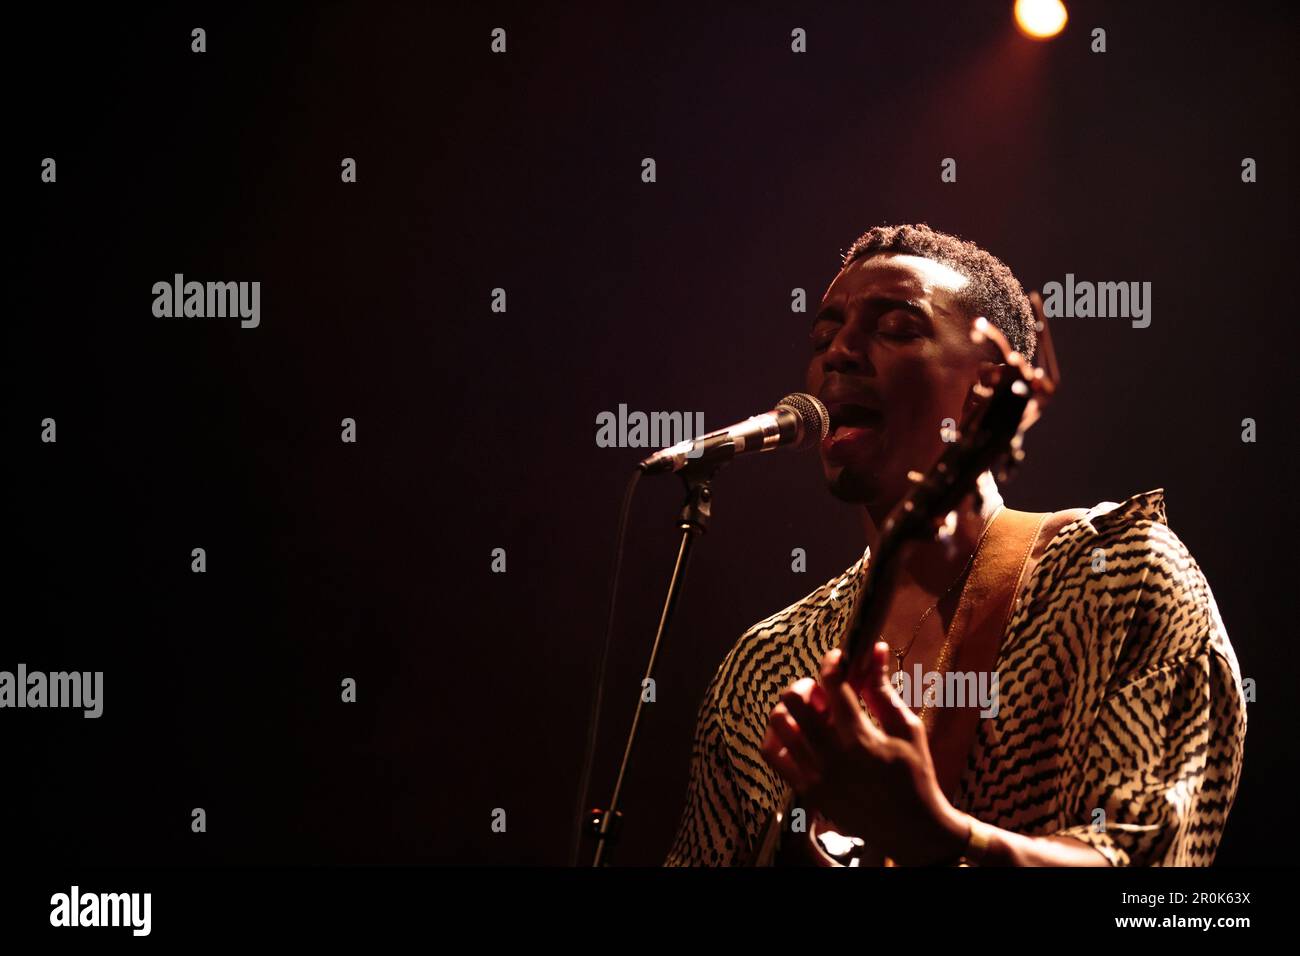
(710,831)
(1163,762)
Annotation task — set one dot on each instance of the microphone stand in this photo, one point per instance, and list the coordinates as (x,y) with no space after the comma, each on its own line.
(606,825)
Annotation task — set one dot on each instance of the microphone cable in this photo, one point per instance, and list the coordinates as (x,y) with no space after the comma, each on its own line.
(593,720)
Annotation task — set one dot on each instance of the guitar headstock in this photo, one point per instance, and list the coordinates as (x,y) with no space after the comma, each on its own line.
(1043,379)
(1040,381)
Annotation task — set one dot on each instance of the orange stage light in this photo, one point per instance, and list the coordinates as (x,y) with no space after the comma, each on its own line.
(1041,19)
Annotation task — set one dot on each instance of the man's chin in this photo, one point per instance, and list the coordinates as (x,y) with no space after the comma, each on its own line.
(852,486)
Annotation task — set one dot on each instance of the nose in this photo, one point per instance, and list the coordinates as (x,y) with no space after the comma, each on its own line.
(847,351)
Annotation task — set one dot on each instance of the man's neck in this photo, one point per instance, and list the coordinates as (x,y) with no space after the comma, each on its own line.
(928,564)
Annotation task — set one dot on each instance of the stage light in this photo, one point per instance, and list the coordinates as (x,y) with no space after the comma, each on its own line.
(1041,19)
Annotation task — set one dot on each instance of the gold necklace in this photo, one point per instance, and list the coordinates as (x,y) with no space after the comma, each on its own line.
(899,656)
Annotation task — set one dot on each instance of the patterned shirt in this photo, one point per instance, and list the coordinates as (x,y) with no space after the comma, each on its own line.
(1118,691)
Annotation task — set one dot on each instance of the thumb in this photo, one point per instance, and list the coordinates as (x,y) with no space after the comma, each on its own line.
(846,716)
(872,681)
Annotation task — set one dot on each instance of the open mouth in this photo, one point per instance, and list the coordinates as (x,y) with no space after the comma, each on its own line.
(851,415)
(854,431)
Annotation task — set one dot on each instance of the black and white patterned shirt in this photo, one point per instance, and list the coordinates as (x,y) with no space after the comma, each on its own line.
(1118,691)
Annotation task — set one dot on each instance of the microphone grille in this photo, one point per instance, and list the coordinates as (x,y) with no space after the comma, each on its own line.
(816,420)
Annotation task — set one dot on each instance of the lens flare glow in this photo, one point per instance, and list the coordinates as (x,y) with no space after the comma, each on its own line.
(1041,19)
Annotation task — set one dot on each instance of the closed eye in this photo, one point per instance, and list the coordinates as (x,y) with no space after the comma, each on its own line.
(821,337)
(899,325)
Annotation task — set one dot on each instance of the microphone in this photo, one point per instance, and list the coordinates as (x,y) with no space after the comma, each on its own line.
(799,420)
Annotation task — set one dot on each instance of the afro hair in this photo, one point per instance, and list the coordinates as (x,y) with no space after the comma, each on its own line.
(993,291)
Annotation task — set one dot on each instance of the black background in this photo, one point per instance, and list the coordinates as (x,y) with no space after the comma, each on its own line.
(476,430)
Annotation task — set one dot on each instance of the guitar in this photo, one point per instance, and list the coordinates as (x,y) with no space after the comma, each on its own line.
(990,437)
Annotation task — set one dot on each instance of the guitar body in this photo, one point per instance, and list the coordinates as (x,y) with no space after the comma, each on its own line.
(823,846)
(779,846)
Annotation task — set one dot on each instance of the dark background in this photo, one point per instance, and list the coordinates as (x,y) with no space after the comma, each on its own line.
(476,430)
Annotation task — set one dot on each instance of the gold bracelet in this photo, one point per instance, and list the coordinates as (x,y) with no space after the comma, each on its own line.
(977,842)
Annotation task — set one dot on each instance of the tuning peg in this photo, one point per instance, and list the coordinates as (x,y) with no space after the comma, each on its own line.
(946,534)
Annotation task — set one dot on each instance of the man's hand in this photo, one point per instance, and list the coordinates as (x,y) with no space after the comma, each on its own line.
(875,782)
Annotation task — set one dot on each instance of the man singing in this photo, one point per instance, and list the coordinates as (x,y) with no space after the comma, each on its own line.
(1120,721)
